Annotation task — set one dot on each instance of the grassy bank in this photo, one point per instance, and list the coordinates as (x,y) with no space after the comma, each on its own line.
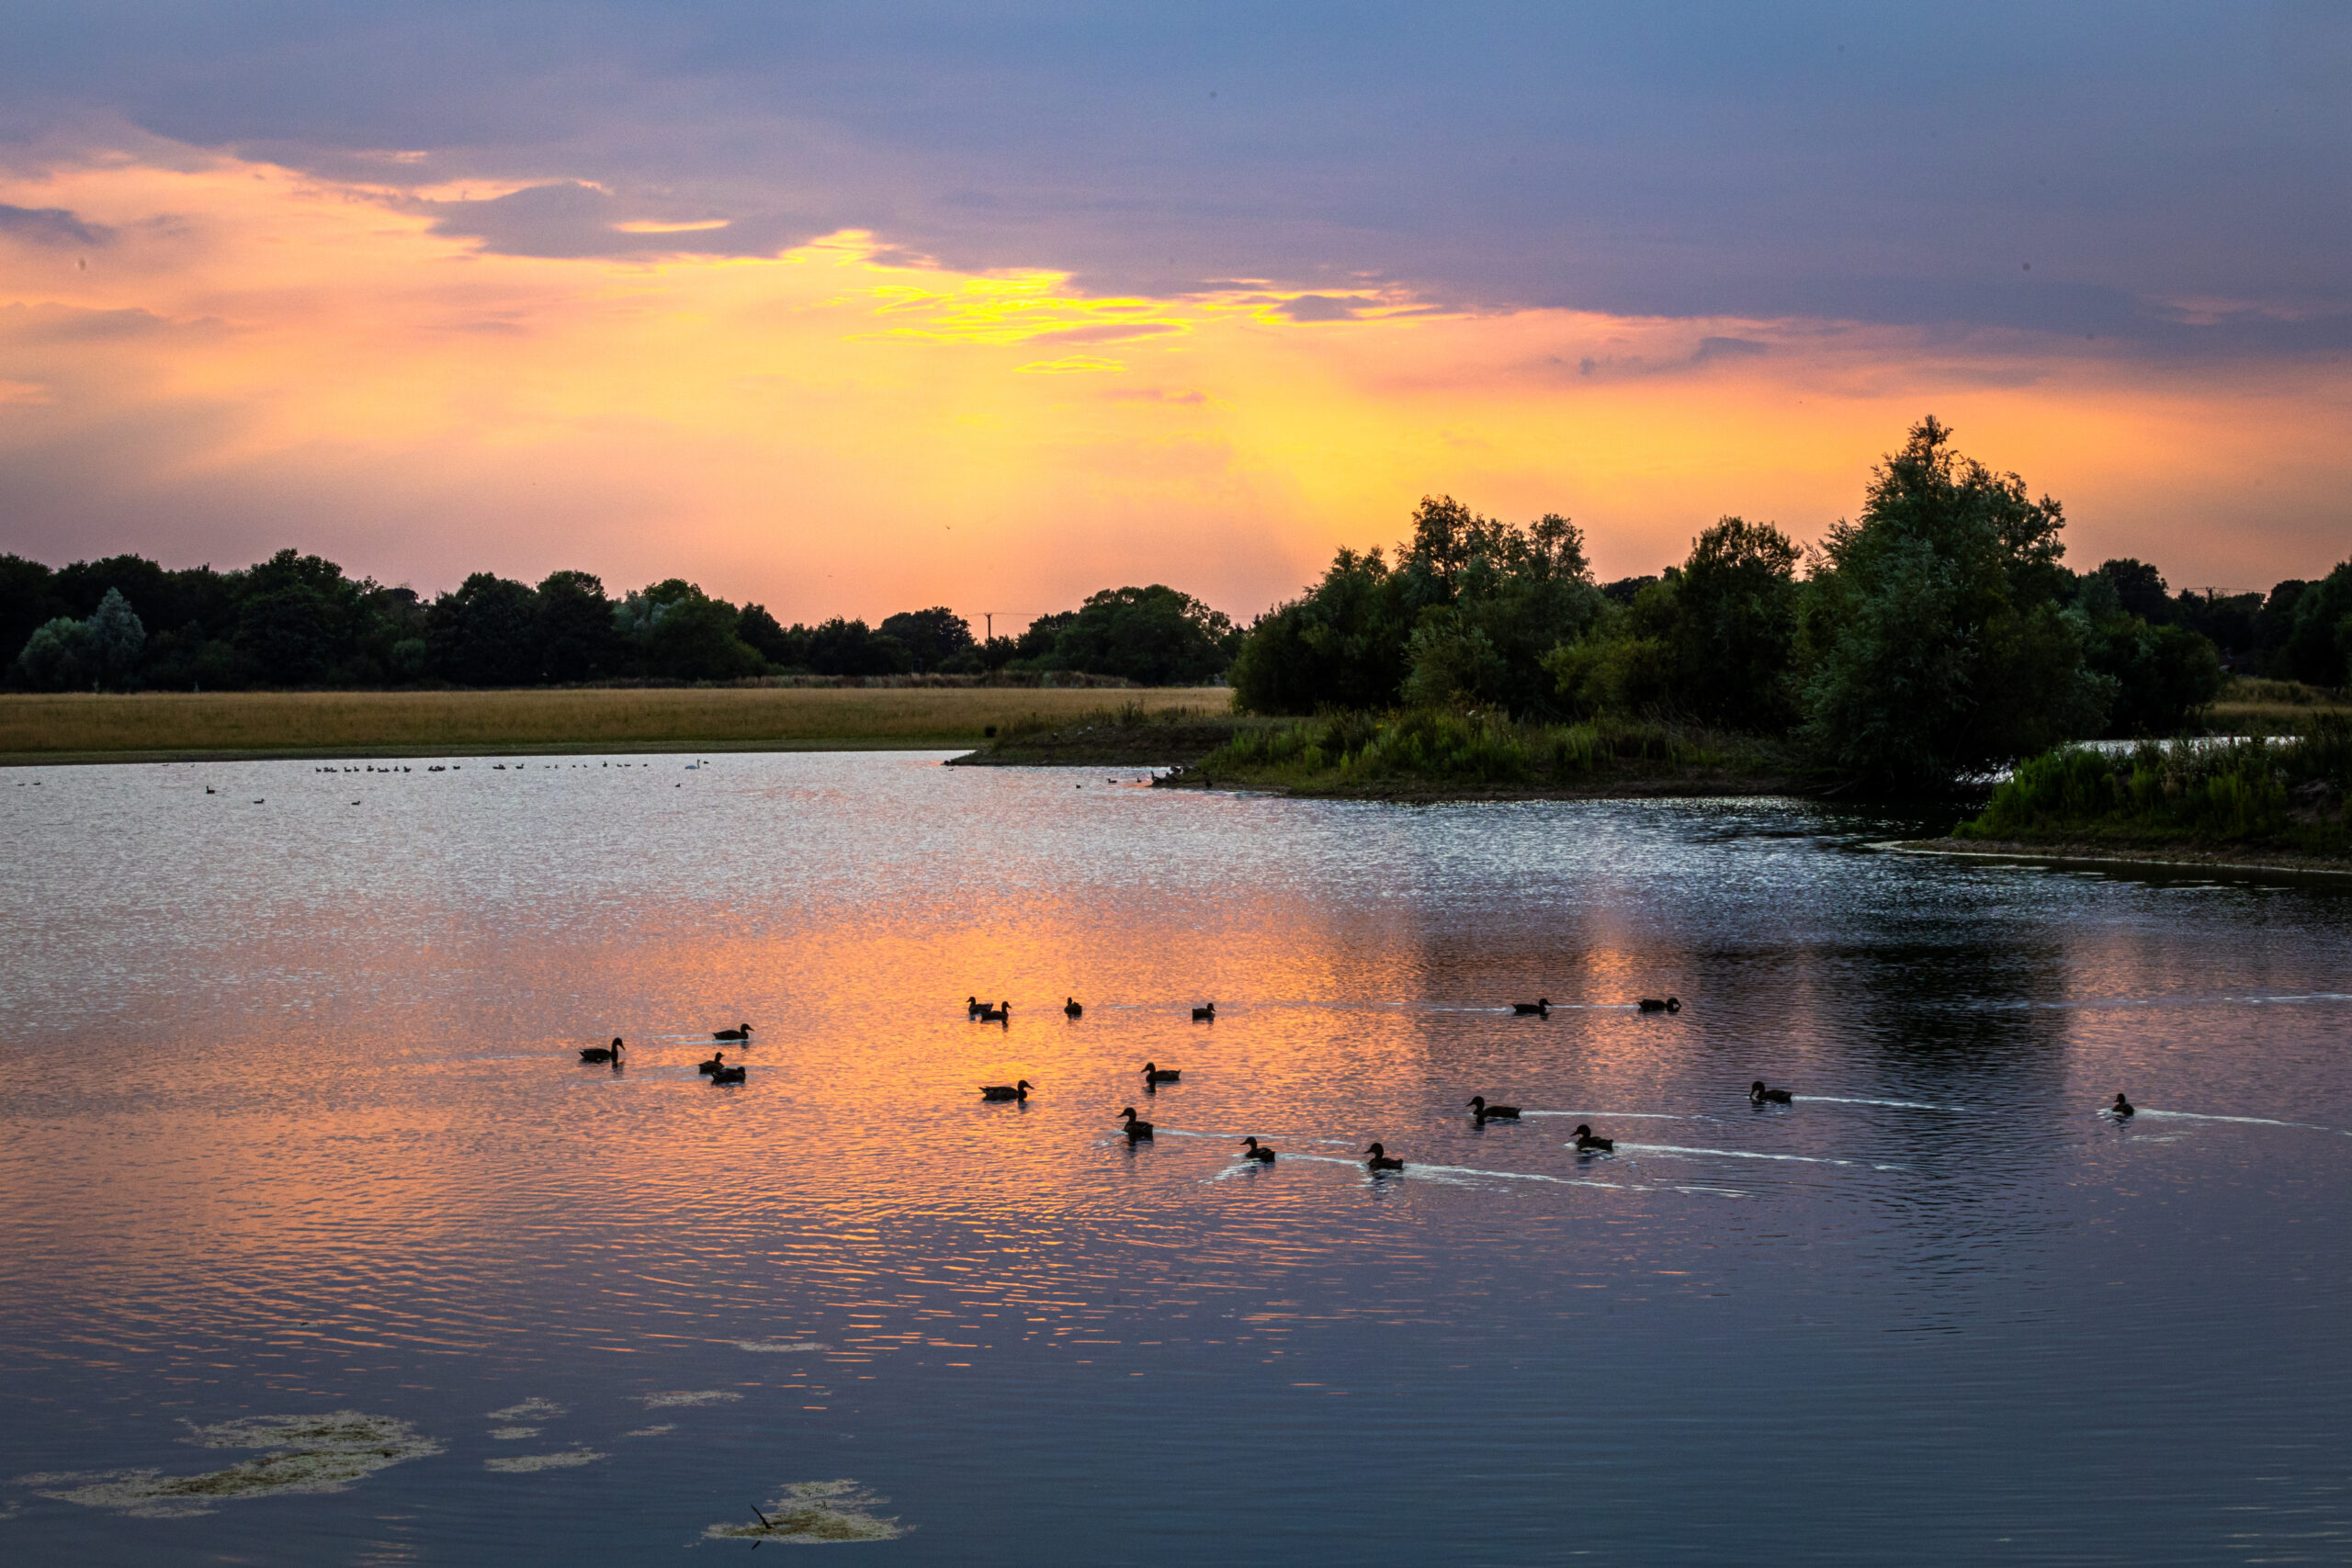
(2261,797)
(153,725)
(1428,754)
(1131,735)
(2251,707)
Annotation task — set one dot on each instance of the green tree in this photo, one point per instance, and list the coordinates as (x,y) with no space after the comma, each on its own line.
(485,634)
(297,620)
(1153,636)
(931,637)
(2320,647)
(1938,645)
(1735,630)
(574,629)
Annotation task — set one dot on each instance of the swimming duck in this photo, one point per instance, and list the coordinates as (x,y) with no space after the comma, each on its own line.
(1382,1159)
(1136,1129)
(1586,1139)
(603,1052)
(1001,1013)
(973,1006)
(741,1031)
(718,1063)
(1154,1072)
(1486,1112)
(1671,1004)
(2122,1108)
(1204,1014)
(729,1075)
(1758,1095)
(1253,1149)
(1006,1091)
(1071,1009)
(1540,1007)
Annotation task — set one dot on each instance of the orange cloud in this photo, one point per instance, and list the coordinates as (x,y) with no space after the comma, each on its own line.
(251,358)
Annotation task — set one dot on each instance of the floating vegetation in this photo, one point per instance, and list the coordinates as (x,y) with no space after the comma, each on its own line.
(523,1464)
(512,1434)
(313,1454)
(816,1512)
(779,1347)
(688,1396)
(652,1431)
(529,1410)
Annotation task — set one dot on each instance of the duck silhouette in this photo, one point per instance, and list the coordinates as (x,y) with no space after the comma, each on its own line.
(1758,1095)
(1671,1004)
(1071,1009)
(1007,1090)
(603,1052)
(1136,1129)
(1153,1073)
(1253,1149)
(2122,1108)
(1586,1140)
(718,1063)
(740,1031)
(1382,1160)
(1540,1007)
(1486,1112)
(1001,1013)
(1204,1014)
(729,1075)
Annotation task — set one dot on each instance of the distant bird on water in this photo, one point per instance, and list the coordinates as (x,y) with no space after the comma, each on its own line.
(1382,1160)
(2122,1108)
(603,1052)
(1486,1112)
(973,1007)
(1253,1149)
(1071,1009)
(1758,1095)
(1154,1072)
(1587,1140)
(1671,1004)
(1007,1090)
(1001,1013)
(718,1063)
(1204,1014)
(1540,1007)
(1136,1130)
(741,1031)
(729,1075)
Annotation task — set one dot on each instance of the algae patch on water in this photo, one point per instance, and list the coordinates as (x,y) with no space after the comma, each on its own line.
(688,1396)
(529,1410)
(780,1346)
(511,1434)
(523,1464)
(816,1513)
(652,1431)
(311,1454)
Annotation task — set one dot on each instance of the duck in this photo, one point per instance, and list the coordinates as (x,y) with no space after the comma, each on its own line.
(740,1031)
(1136,1129)
(1154,1072)
(1001,1013)
(718,1063)
(1071,1009)
(1671,1004)
(1540,1007)
(973,1007)
(1007,1090)
(1253,1149)
(2122,1108)
(1758,1095)
(603,1052)
(1486,1112)
(729,1075)
(1382,1160)
(1204,1014)
(1587,1140)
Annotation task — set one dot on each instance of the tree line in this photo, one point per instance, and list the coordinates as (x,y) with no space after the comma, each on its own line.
(1933,635)
(298,620)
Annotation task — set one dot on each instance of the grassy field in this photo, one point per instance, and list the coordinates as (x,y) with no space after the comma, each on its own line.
(158,725)
(2249,707)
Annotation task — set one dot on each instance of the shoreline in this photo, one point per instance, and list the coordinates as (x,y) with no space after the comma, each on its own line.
(1401,792)
(2243,862)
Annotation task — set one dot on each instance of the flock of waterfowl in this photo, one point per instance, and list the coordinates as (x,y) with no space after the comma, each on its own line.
(1378,1160)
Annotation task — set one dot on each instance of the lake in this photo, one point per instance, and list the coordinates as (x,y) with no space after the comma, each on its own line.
(318,1243)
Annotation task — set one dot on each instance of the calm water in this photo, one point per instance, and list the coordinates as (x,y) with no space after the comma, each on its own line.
(293,1125)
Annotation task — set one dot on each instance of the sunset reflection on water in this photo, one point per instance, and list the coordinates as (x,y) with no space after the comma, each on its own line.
(294,1123)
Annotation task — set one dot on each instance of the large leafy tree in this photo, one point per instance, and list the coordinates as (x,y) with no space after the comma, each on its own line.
(2319,648)
(1153,636)
(485,634)
(1939,643)
(930,637)
(577,640)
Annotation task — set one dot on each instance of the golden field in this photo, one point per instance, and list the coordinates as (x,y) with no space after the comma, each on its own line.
(159,725)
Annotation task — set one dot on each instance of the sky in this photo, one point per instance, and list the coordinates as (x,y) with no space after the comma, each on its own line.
(852,308)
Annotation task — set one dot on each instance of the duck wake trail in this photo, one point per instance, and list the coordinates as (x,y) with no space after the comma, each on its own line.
(1673,1150)
(2245,1121)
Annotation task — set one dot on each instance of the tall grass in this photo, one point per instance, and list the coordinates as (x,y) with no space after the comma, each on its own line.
(2289,792)
(710,717)
(1341,750)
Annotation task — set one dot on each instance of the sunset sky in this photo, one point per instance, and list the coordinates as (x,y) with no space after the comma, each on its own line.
(853,309)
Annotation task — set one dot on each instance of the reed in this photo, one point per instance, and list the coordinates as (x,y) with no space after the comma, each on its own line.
(147,725)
